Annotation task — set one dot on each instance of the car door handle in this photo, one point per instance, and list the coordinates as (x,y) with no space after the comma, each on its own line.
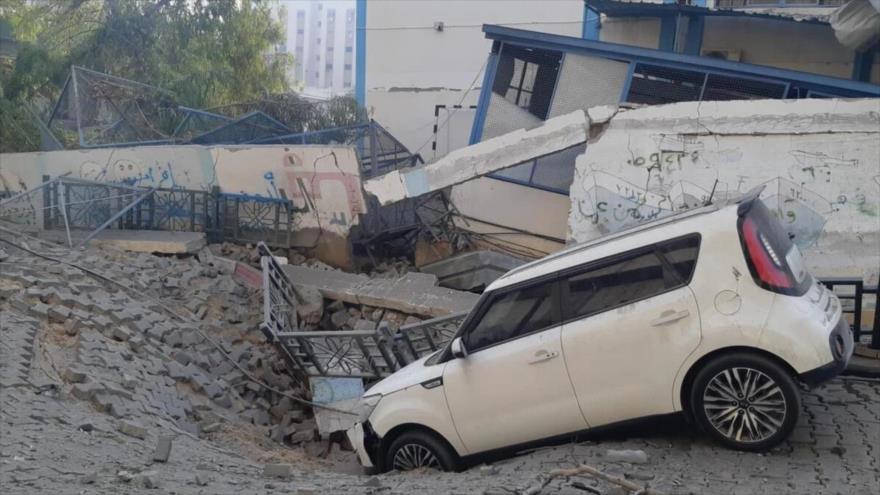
(543,355)
(670,316)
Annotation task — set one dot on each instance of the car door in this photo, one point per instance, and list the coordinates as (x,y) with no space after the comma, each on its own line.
(513,386)
(631,321)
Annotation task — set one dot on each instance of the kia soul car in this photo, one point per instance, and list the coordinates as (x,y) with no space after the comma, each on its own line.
(709,312)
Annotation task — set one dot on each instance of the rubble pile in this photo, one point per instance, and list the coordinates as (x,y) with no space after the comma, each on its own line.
(132,355)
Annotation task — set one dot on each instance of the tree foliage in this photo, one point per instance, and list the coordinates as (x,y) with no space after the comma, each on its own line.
(208,53)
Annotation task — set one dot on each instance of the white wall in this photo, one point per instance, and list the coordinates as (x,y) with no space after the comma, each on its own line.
(820,161)
(308,175)
(411,67)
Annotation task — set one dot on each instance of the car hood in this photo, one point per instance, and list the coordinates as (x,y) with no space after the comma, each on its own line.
(412,374)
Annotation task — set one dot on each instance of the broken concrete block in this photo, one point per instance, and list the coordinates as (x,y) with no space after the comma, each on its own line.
(72,326)
(310,305)
(283,471)
(149,479)
(88,479)
(73,375)
(630,456)
(202,480)
(121,334)
(163,448)
(39,310)
(86,391)
(132,429)
(58,314)
(339,319)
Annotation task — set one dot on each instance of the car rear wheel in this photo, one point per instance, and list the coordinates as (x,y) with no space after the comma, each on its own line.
(745,401)
(418,450)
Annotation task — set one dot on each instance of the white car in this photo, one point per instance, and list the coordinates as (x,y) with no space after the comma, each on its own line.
(709,312)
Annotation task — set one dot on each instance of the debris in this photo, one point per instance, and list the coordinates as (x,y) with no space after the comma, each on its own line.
(147,478)
(630,456)
(414,293)
(89,479)
(584,469)
(202,480)
(282,471)
(73,375)
(132,429)
(163,448)
(152,241)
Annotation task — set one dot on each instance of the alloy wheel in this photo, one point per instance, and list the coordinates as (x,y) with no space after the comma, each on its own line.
(414,456)
(744,404)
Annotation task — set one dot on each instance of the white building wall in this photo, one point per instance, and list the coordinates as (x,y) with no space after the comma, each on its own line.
(313,26)
(819,160)
(411,67)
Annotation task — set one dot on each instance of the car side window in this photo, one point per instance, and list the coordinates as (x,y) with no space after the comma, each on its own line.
(512,314)
(614,284)
(682,255)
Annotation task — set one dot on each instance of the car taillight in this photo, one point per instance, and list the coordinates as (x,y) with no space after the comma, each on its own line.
(767,263)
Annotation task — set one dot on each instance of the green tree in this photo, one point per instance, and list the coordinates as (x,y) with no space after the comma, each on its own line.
(206,52)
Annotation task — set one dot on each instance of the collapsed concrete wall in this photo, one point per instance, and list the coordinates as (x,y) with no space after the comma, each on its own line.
(819,160)
(480,159)
(323,181)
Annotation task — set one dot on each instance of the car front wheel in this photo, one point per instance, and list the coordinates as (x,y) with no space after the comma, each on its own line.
(417,450)
(745,401)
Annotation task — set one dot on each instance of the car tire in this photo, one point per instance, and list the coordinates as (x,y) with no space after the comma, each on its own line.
(420,449)
(745,401)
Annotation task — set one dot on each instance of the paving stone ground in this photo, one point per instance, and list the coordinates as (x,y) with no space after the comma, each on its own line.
(82,412)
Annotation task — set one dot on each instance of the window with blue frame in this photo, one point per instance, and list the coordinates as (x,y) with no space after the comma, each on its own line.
(656,85)
(553,172)
(747,4)
(526,77)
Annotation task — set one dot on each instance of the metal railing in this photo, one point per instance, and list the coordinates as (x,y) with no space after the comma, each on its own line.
(367,354)
(853,304)
(76,204)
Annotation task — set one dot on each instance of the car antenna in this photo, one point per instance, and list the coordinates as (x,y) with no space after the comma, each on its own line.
(711,194)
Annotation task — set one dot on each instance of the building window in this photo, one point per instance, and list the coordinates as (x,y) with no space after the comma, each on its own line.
(328,67)
(527,77)
(348,49)
(347,67)
(746,4)
(553,172)
(656,85)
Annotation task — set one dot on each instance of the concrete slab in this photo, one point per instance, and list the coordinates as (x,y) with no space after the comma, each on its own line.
(474,270)
(414,293)
(152,241)
(482,158)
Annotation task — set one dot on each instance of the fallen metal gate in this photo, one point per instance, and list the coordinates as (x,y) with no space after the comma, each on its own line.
(368,354)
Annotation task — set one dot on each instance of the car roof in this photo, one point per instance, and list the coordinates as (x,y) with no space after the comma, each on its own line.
(539,267)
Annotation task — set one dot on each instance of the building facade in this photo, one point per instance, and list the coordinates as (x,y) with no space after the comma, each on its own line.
(321,38)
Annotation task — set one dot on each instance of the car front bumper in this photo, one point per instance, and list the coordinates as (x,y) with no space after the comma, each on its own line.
(365,443)
(842,345)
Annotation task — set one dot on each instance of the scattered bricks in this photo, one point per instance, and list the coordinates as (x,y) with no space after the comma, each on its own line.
(280,409)
(339,319)
(72,326)
(20,305)
(129,382)
(163,448)
(213,390)
(109,404)
(630,456)
(310,305)
(86,391)
(39,310)
(362,324)
(73,375)
(224,401)
(176,371)
(136,343)
(149,479)
(102,322)
(132,429)
(182,357)
(58,314)
(282,471)
(121,333)
(294,416)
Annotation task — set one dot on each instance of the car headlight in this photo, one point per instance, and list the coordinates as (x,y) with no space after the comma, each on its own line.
(367,405)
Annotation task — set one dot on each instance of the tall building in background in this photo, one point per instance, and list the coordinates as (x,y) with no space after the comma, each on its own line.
(321,38)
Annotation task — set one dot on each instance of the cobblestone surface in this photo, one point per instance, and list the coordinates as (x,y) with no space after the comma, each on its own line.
(75,396)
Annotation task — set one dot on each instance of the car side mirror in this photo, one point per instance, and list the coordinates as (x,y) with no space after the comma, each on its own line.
(457,348)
